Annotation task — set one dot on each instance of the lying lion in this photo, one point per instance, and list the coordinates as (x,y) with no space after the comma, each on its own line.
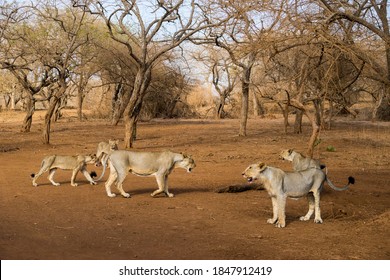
(280,185)
(75,163)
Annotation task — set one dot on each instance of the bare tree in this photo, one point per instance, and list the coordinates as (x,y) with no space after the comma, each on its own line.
(17,57)
(366,24)
(59,52)
(242,38)
(172,23)
(223,73)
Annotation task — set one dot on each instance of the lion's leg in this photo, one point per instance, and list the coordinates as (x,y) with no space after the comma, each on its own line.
(307,217)
(119,184)
(87,176)
(274,210)
(36,176)
(111,179)
(51,175)
(167,193)
(74,174)
(46,163)
(160,183)
(281,201)
(317,214)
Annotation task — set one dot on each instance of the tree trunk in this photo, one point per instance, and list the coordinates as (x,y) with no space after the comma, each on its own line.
(284,109)
(30,109)
(258,109)
(133,109)
(124,98)
(314,135)
(330,115)
(298,122)
(80,99)
(221,105)
(245,101)
(48,117)
(13,103)
(244,110)
(382,106)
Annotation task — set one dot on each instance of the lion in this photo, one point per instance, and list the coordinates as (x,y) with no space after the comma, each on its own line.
(280,185)
(103,151)
(158,164)
(75,163)
(300,162)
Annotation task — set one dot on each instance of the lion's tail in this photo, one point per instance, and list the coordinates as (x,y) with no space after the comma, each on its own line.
(351,181)
(104,170)
(32,175)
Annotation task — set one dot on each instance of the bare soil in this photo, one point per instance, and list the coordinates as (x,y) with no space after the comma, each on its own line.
(65,222)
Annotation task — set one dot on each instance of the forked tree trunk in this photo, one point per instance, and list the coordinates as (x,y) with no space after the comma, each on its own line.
(30,109)
(124,102)
(48,118)
(220,107)
(314,124)
(54,102)
(134,106)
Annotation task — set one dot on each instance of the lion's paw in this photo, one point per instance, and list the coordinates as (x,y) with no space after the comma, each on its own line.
(127,195)
(304,218)
(318,221)
(271,221)
(280,225)
(111,195)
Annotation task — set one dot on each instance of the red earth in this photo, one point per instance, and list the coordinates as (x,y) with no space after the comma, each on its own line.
(65,222)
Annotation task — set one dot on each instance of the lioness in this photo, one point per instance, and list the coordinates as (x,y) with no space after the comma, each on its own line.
(158,164)
(300,162)
(280,185)
(103,151)
(75,163)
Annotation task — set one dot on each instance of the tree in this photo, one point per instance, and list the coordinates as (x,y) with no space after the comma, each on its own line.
(223,73)
(58,51)
(242,38)
(129,23)
(17,55)
(40,50)
(366,24)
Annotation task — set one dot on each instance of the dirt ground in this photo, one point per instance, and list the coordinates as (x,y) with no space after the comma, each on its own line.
(66,222)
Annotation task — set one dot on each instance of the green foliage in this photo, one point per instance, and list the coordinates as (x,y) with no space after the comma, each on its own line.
(330,148)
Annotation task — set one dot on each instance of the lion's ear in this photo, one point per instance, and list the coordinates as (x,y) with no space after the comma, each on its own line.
(290,151)
(262,166)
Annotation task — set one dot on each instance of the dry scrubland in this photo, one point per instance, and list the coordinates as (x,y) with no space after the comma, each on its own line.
(66,222)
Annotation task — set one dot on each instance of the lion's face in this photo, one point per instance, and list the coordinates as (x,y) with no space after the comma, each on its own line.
(253,171)
(286,155)
(113,144)
(90,159)
(187,163)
